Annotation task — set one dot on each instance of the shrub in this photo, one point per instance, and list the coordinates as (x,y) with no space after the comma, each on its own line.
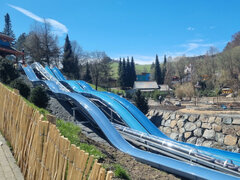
(23,88)
(7,71)
(185,90)
(120,172)
(141,102)
(39,97)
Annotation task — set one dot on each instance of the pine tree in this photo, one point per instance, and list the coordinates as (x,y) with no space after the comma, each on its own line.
(70,64)
(141,102)
(87,77)
(157,74)
(164,69)
(119,68)
(123,74)
(128,73)
(133,72)
(8,27)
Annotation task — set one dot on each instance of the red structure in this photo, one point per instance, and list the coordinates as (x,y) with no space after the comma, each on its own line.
(6,48)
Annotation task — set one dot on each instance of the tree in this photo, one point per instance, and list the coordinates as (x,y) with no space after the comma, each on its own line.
(164,70)
(39,97)
(7,71)
(8,27)
(70,64)
(157,74)
(100,67)
(20,42)
(87,77)
(128,73)
(133,72)
(141,102)
(41,45)
(123,76)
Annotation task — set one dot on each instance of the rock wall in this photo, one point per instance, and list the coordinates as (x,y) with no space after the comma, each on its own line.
(218,131)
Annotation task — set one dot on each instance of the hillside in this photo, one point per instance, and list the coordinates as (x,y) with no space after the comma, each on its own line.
(139,69)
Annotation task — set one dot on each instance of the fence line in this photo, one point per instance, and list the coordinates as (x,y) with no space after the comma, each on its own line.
(39,149)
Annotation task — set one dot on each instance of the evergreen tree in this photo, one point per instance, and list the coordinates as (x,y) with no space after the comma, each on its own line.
(119,68)
(133,72)
(8,27)
(141,102)
(164,70)
(128,73)
(87,77)
(123,74)
(157,74)
(70,64)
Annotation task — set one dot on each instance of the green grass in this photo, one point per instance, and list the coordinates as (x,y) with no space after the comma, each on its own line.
(72,131)
(139,69)
(120,172)
(99,88)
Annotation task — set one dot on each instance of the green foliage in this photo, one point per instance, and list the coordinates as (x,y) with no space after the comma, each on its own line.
(39,97)
(208,93)
(70,64)
(8,27)
(72,132)
(120,172)
(157,74)
(87,76)
(141,102)
(23,88)
(157,93)
(7,71)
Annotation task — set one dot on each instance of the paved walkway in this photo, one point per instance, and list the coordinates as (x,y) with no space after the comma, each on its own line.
(9,170)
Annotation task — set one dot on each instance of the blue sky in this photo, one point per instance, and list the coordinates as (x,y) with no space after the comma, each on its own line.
(139,28)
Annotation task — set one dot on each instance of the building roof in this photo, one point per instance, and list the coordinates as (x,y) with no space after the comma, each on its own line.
(164,87)
(145,85)
(6,37)
(6,50)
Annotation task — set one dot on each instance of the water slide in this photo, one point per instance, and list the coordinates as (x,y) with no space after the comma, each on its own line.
(183,169)
(152,129)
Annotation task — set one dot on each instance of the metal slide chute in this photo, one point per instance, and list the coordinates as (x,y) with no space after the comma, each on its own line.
(171,165)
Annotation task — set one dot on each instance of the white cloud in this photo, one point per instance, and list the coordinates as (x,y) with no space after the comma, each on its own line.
(190,28)
(58,28)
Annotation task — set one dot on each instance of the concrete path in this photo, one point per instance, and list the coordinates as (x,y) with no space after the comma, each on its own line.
(9,170)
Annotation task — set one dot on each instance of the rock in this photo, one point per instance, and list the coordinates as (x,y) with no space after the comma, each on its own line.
(167,123)
(198,132)
(206,126)
(219,137)
(180,137)
(207,143)
(175,129)
(182,130)
(185,117)
(216,127)
(174,136)
(209,134)
(165,116)
(173,123)
(236,121)
(180,123)
(218,120)
(189,126)
(192,118)
(228,130)
(162,122)
(239,143)
(199,141)
(167,130)
(202,118)
(227,120)
(173,116)
(237,130)
(230,140)
(211,119)
(198,123)
(187,135)
(178,116)
(192,140)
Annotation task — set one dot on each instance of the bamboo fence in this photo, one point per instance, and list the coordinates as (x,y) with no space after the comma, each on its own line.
(39,149)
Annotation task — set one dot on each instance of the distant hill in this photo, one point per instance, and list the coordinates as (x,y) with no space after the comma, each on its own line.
(139,69)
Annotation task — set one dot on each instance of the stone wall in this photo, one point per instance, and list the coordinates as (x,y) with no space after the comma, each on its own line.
(218,131)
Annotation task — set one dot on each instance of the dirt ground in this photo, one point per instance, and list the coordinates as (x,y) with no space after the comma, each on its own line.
(136,170)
